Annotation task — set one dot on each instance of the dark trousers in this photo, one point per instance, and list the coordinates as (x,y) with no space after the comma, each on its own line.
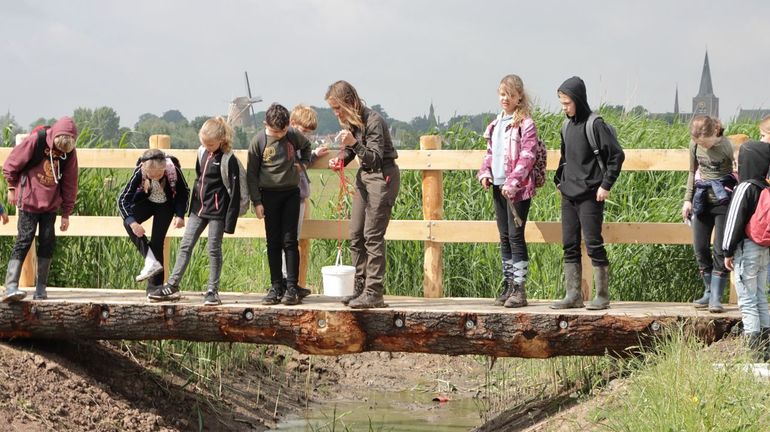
(584,216)
(373,202)
(281,213)
(712,219)
(27,225)
(161,215)
(512,243)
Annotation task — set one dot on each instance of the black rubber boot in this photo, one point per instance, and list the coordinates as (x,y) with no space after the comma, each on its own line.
(602,284)
(703,302)
(43,268)
(718,284)
(12,291)
(358,289)
(574,296)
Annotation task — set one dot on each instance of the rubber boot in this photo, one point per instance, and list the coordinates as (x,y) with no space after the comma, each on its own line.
(12,291)
(274,295)
(358,289)
(703,302)
(506,289)
(602,284)
(574,296)
(518,296)
(43,267)
(369,299)
(718,284)
(290,296)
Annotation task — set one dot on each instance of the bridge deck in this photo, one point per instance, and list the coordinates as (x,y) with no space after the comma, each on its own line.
(321,325)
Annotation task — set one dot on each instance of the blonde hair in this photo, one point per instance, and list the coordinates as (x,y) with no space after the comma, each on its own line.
(511,84)
(152,159)
(703,126)
(764,124)
(304,116)
(217,128)
(346,96)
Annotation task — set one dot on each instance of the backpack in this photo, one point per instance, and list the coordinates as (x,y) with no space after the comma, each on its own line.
(40,146)
(541,155)
(224,168)
(592,137)
(758,228)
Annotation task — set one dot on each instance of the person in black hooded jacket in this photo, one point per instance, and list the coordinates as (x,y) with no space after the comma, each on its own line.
(584,187)
(748,259)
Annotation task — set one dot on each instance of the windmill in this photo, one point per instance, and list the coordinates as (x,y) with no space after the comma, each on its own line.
(241,112)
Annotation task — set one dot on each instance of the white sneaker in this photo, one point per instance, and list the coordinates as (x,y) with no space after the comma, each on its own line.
(151,268)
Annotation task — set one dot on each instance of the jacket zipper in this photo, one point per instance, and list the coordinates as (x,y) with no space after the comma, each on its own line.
(203,178)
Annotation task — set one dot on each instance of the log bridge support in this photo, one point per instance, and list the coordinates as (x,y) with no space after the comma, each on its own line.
(323,326)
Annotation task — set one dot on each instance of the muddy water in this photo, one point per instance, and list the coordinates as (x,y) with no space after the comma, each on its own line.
(396,411)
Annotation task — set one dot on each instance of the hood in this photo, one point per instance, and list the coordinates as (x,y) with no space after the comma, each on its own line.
(753,161)
(575,88)
(64,126)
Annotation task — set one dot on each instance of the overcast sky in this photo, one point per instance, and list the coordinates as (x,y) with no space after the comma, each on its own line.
(142,56)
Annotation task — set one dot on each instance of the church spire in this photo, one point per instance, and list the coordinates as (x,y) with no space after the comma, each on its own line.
(676,100)
(705,79)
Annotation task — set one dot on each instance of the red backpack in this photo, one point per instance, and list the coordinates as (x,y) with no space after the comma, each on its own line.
(758,228)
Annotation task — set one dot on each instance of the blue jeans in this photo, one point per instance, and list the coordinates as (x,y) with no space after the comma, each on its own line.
(751,262)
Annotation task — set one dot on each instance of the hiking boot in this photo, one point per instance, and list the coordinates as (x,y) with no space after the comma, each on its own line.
(211,298)
(602,283)
(358,289)
(167,292)
(12,291)
(506,289)
(274,295)
(718,284)
(151,267)
(43,268)
(369,299)
(703,302)
(574,296)
(290,296)
(518,297)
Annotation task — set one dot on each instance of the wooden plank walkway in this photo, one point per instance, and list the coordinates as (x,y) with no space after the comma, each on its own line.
(322,325)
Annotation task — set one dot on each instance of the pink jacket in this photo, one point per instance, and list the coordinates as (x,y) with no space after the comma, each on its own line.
(52,183)
(519,158)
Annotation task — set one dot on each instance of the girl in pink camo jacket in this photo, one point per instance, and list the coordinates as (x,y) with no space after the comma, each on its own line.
(508,168)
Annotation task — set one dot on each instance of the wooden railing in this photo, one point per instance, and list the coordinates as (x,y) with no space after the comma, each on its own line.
(432,230)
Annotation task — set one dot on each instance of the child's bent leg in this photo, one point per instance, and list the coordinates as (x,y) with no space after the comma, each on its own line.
(27,225)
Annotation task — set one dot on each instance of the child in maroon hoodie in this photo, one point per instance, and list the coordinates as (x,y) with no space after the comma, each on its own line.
(42,176)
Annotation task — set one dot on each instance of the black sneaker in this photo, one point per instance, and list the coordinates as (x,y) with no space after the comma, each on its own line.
(273,296)
(291,297)
(167,292)
(211,298)
(302,292)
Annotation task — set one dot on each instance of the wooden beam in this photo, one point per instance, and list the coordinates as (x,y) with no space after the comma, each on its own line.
(432,210)
(636,159)
(323,326)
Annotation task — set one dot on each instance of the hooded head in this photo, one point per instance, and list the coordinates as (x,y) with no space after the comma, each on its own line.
(575,89)
(753,160)
(64,127)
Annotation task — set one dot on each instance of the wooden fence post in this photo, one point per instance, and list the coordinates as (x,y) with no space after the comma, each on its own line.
(304,248)
(432,209)
(163,142)
(29,268)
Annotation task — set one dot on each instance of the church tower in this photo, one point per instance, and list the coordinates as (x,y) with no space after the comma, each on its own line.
(676,101)
(705,102)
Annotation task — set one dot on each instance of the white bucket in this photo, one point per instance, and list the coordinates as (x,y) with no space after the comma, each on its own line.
(338,279)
